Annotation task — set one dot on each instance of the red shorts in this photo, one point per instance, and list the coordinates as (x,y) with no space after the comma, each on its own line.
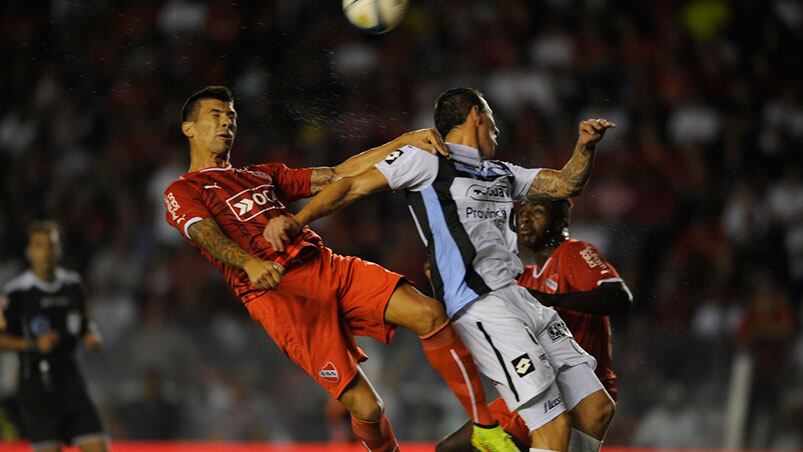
(318,308)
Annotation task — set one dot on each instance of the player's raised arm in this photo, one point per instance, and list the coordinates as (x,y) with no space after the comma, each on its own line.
(572,179)
(334,197)
(607,299)
(426,139)
(263,274)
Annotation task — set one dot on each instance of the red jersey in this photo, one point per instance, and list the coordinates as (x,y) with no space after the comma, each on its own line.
(241,201)
(577,266)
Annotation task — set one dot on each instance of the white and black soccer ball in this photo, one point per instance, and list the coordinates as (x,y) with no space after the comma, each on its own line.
(375,16)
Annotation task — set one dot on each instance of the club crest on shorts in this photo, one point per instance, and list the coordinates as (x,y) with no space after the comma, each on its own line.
(557,330)
(523,365)
(329,372)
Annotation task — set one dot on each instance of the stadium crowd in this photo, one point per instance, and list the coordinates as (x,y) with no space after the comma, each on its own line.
(696,197)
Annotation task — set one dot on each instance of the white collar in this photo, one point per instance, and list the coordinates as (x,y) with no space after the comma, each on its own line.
(465,154)
(216,168)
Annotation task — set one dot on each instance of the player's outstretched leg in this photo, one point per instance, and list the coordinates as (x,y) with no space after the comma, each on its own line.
(368,421)
(590,420)
(446,353)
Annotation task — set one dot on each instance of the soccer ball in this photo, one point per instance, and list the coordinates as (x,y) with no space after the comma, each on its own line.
(375,16)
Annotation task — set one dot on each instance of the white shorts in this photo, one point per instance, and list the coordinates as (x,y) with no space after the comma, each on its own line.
(572,386)
(518,343)
(576,383)
(542,409)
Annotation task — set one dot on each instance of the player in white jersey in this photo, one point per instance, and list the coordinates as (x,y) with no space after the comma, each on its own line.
(462,208)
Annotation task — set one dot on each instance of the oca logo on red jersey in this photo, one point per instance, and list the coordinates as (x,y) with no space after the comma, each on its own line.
(249,203)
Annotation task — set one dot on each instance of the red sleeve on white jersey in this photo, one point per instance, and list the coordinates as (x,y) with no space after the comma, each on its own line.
(291,184)
(184,206)
(584,267)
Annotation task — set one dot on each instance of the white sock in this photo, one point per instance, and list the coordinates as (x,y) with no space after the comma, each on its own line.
(580,442)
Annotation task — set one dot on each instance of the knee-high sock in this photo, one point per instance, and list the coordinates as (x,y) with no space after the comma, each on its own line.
(377,436)
(580,442)
(447,355)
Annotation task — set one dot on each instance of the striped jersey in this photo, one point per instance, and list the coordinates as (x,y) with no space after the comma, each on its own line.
(241,201)
(463,209)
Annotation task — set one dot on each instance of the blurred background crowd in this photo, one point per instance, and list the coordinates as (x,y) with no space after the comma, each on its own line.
(696,197)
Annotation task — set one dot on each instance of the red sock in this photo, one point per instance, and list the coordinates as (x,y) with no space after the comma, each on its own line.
(376,436)
(447,354)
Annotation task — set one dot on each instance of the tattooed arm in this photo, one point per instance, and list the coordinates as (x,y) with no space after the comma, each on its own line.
(572,179)
(263,274)
(426,139)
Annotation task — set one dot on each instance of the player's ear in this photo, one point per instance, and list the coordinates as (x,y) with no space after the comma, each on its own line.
(188,128)
(475,115)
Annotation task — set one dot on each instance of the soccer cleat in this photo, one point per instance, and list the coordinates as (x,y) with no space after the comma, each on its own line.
(491,439)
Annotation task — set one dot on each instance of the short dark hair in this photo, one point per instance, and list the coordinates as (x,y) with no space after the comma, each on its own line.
(44,227)
(190,108)
(453,106)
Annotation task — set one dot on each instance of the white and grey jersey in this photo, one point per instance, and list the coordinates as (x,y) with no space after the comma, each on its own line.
(463,209)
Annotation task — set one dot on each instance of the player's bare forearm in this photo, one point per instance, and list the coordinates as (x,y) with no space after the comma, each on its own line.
(340,194)
(10,342)
(607,299)
(426,139)
(354,165)
(572,179)
(569,181)
(208,234)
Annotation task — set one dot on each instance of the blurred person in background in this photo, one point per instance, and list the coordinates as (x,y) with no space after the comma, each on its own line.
(311,301)
(47,321)
(766,332)
(151,416)
(575,279)
(463,209)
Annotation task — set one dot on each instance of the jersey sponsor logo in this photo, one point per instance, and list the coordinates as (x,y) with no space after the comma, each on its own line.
(493,193)
(550,405)
(47,302)
(487,214)
(523,365)
(393,156)
(249,203)
(329,372)
(593,260)
(551,284)
(558,330)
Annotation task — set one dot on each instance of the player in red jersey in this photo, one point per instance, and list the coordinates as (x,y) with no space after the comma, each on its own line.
(574,278)
(310,301)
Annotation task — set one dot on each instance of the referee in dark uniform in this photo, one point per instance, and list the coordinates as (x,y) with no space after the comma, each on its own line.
(46,319)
